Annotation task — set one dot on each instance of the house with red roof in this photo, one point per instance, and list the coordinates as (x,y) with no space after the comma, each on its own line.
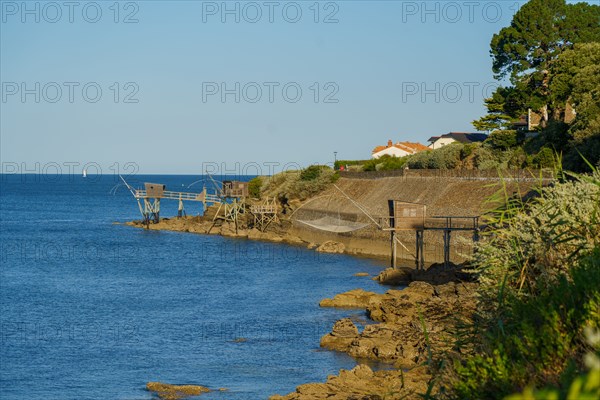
(399,149)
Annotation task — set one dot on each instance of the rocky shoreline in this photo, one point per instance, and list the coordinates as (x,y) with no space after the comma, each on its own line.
(410,326)
(412,329)
(275,233)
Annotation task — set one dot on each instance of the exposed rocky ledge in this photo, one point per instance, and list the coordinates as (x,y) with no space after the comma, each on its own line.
(357,298)
(201,226)
(436,274)
(167,391)
(331,246)
(404,315)
(398,338)
(361,383)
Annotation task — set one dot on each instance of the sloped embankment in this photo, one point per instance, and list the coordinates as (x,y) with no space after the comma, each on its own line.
(443,196)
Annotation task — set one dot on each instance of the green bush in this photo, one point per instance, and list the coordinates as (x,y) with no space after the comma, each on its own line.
(503,139)
(539,339)
(548,233)
(371,165)
(516,158)
(385,163)
(393,163)
(291,185)
(254,187)
(538,267)
(467,150)
(544,158)
(446,157)
(485,158)
(348,163)
(313,172)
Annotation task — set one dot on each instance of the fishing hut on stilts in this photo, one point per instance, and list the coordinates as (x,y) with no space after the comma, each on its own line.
(153,193)
(402,216)
(233,196)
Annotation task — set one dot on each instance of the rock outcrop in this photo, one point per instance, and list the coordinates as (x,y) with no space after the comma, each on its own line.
(436,274)
(357,298)
(399,338)
(331,246)
(167,391)
(394,277)
(361,383)
(404,316)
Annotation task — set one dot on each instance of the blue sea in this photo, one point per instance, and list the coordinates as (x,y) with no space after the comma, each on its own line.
(90,309)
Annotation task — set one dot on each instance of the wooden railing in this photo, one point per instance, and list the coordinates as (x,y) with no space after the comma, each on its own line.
(168,194)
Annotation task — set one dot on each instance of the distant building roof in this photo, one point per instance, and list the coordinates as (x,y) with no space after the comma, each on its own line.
(414,146)
(409,147)
(462,137)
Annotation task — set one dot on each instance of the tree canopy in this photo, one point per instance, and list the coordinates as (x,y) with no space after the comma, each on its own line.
(538,33)
(551,55)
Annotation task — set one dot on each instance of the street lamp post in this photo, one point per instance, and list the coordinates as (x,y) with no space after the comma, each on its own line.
(334,158)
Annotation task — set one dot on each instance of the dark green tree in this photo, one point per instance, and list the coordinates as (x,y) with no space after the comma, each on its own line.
(538,33)
(504,107)
(503,139)
(551,55)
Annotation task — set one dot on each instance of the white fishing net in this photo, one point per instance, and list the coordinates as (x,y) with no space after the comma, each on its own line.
(331,224)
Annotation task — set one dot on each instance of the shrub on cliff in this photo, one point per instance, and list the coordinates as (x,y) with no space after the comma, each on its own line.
(544,158)
(312,172)
(531,244)
(299,185)
(385,163)
(446,157)
(255,186)
(536,341)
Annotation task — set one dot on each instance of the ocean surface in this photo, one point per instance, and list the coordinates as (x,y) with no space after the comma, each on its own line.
(90,309)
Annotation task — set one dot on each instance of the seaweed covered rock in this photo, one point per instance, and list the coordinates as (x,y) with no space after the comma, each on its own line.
(168,391)
(357,298)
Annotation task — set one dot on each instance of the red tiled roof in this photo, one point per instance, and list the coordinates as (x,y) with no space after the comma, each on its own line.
(409,147)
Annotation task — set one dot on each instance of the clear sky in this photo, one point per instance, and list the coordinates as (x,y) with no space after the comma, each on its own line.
(183,83)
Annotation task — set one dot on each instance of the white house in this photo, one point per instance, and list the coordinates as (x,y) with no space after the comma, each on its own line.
(399,149)
(453,137)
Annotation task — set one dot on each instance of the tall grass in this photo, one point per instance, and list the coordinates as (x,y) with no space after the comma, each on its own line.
(539,271)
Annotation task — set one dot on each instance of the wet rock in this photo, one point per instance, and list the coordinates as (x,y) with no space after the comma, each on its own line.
(357,298)
(331,246)
(394,277)
(173,392)
(255,234)
(344,328)
(343,333)
(439,274)
(291,239)
(361,383)
(404,316)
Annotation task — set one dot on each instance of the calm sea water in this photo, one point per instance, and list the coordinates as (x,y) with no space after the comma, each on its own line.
(94,310)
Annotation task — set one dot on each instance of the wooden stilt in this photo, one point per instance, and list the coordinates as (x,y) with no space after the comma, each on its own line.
(417,249)
(394,254)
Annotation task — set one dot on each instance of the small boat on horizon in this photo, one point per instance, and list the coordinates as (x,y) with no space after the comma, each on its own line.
(84,175)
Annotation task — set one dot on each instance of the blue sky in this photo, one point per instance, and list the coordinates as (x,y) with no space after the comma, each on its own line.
(385,70)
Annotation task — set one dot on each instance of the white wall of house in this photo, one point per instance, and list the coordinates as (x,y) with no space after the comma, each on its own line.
(441,142)
(392,151)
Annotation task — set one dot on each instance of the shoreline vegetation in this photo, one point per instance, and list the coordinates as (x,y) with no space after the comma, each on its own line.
(520,320)
(540,251)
